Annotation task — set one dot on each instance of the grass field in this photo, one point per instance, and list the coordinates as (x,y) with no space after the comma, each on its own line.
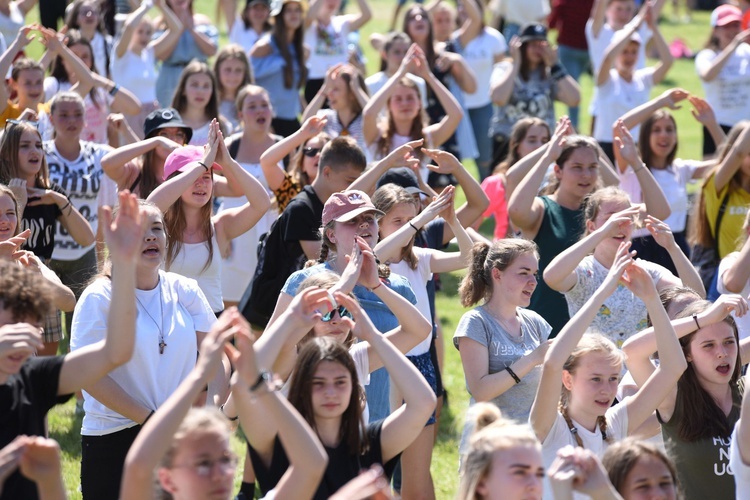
(65,426)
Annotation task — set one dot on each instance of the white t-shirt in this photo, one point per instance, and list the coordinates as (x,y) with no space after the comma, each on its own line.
(740,469)
(617,97)
(597,45)
(418,279)
(743,323)
(673,181)
(522,12)
(245,38)
(328,45)
(480,55)
(376,82)
(560,436)
(729,92)
(622,314)
(87,187)
(149,377)
(137,73)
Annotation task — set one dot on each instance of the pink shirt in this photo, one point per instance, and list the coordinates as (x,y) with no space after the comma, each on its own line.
(494,187)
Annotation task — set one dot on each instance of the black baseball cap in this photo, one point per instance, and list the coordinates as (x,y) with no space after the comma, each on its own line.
(534,31)
(401,176)
(165,118)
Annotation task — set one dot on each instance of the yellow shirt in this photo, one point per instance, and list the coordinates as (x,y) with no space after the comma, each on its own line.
(12,111)
(730,229)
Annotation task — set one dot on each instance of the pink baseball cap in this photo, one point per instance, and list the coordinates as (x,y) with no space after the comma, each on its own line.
(725,14)
(182,157)
(346,205)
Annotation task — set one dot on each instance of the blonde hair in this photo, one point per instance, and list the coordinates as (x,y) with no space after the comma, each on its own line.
(591,343)
(492,433)
(593,202)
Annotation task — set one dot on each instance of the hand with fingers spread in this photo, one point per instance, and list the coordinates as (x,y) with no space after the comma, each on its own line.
(660,231)
(557,141)
(623,259)
(368,276)
(313,126)
(725,305)
(404,156)
(351,273)
(9,249)
(639,281)
(619,223)
(310,305)
(626,145)
(446,162)
(702,110)
(124,234)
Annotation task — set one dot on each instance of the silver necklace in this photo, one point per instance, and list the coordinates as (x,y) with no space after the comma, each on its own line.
(159,326)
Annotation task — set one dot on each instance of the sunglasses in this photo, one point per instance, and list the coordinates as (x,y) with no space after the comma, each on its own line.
(343,313)
(311,152)
(11,122)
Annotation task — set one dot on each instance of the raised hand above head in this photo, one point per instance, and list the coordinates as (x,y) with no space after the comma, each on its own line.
(623,259)
(313,126)
(639,281)
(671,97)
(124,234)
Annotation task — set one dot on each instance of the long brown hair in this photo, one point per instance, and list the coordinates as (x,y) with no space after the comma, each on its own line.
(620,458)
(9,155)
(175,225)
(387,127)
(279,35)
(572,144)
(517,135)
(644,137)
(296,170)
(429,50)
(477,284)
(701,417)
(700,229)
(385,199)
(232,51)
(312,354)
(179,101)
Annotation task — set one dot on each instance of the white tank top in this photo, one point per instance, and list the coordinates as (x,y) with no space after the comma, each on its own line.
(190,262)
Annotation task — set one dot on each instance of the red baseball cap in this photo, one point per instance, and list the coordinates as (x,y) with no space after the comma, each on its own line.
(346,205)
(180,158)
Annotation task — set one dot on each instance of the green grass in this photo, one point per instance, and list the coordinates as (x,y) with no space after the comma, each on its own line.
(65,426)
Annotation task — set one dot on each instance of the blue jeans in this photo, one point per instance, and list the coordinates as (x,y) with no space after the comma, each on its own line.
(575,61)
(480,122)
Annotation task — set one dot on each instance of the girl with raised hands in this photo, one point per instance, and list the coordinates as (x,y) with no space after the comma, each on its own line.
(346,94)
(248,23)
(198,238)
(325,389)
(232,72)
(134,57)
(554,222)
(589,367)
(699,413)
(406,120)
(578,271)
(196,98)
(246,147)
(303,147)
(657,145)
(190,447)
(501,343)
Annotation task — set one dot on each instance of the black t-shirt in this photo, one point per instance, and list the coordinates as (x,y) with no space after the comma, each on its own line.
(280,254)
(25,400)
(342,465)
(41,220)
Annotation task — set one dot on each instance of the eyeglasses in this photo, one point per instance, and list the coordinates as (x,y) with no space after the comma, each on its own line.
(311,152)
(13,122)
(343,313)
(204,468)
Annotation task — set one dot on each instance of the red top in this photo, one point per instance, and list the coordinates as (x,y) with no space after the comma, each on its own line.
(569,18)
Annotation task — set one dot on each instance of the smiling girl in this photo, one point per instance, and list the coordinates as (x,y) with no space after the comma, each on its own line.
(698,415)
(589,367)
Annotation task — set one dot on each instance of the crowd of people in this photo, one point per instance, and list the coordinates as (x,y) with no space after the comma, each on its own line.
(253,234)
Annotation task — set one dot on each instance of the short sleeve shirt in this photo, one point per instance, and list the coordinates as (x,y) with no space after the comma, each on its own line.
(734,216)
(728,93)
(622,314)
(41,219)
(327,44)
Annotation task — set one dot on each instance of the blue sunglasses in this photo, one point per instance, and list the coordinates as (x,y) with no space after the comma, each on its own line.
(343,313)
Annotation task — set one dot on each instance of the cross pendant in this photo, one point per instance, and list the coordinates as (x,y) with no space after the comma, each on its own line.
(162,345)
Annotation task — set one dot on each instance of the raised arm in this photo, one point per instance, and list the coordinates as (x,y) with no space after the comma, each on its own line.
(618,43)
(129,27)
(704,114)
(710,71)
(567,89)
(124,237)
(662,49)
(6,60)
(166,43)
(404,424)
(733,160)
(560,274)
(320,97)
(312,12)
(170,190)
(476,200)
(444,129)
(504,74)
(444,262)
(229,9)
(544,409)
(236,221)
(687,273)
(668,99)
(597,17)
(307,457)
(359,20)
(473,25)
(402,156)
(113,163)
(270,159)
(157,435)
(654,392)
(736,277)
(654,201)
(743,428)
